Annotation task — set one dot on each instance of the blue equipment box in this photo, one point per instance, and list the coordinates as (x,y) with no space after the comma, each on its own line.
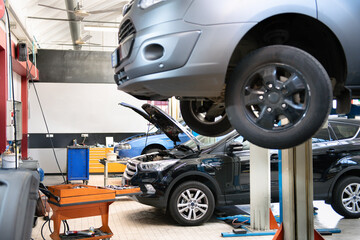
(77,163)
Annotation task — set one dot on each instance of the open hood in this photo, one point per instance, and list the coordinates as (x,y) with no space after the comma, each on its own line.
(162,121)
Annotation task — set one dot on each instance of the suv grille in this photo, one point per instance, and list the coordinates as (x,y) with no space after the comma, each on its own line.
(121,77)
(131,169)
(126,29)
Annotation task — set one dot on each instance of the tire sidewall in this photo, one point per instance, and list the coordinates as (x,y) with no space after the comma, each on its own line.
(175,195)
(337,197)
(218,128)
(308,67)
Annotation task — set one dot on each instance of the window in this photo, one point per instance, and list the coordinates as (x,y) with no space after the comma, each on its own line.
(322,136)
(343,131)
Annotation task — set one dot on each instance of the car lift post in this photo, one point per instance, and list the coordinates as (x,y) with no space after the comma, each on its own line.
(297,187)
(260,193)
(262,221)
(297,195)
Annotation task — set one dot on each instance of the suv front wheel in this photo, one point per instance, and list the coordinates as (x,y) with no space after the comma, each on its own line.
(192,203)
(278,97)
(346,197)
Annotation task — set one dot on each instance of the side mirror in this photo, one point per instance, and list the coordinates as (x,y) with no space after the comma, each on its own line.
(235,147)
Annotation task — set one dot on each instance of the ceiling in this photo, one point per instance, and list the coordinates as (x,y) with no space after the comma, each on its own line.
(56,34)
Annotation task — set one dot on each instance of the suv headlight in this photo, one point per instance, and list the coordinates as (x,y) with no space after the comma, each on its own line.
(157,165)
(148,3)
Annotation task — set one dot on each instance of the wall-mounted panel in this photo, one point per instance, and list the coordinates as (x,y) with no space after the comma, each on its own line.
(75,66)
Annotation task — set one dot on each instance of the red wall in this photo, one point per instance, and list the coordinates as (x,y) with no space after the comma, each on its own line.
(19,68)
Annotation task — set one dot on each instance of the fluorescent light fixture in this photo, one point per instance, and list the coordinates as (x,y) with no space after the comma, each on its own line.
(101,28)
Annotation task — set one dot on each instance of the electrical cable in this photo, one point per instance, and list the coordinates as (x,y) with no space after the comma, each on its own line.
(63,221)
(50,226)
(46,125)
(42,228)
(12,89)
(147,135)
(67,225)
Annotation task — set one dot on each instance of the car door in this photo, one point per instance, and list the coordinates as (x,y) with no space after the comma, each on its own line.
(238,189)
(329,146)
(245,173)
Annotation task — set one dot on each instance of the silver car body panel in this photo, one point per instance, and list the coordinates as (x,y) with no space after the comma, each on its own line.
(199,37)
(343,18)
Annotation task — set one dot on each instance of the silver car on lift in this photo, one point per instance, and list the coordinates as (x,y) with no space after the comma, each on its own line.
(270,69)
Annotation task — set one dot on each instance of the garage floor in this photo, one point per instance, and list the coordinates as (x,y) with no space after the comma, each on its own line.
(130,220)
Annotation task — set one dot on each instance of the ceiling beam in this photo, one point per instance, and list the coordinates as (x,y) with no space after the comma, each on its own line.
(68,20)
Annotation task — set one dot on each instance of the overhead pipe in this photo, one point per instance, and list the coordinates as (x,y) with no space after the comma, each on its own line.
(74,24)
(9,57)
(18,22)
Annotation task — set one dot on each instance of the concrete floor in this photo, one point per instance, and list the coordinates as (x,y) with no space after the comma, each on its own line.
(130,220)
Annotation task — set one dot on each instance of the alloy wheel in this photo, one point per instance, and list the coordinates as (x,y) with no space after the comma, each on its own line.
(274,93)
(192,204)
(351,197)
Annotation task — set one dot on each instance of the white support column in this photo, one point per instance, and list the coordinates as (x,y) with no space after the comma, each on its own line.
(106,173)
(297,172)
(259,188)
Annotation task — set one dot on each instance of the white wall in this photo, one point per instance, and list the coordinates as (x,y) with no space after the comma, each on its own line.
(47,161)
(79,108)
(83,108)
(17,88)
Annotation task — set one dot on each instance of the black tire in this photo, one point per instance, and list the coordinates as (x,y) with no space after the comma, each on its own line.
(192,214)
(274,83)
(196,115)
(346,197)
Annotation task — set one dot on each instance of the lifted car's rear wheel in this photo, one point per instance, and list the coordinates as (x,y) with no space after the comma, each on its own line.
(205,117)
(278,97)
(192,203)
(346,197)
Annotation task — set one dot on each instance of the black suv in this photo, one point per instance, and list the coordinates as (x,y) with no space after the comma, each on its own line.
(193,178)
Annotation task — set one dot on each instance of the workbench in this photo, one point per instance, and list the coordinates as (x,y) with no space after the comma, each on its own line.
(78,201)
(106,168)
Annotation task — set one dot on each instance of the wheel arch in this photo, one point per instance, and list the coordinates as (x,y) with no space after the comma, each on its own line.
(297,30)
(153,145)
(195,176)
(350,171)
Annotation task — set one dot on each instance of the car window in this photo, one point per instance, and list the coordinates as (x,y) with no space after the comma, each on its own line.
(343,131)
(324,135)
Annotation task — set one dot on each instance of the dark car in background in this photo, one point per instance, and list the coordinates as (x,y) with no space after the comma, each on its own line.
(193,178)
